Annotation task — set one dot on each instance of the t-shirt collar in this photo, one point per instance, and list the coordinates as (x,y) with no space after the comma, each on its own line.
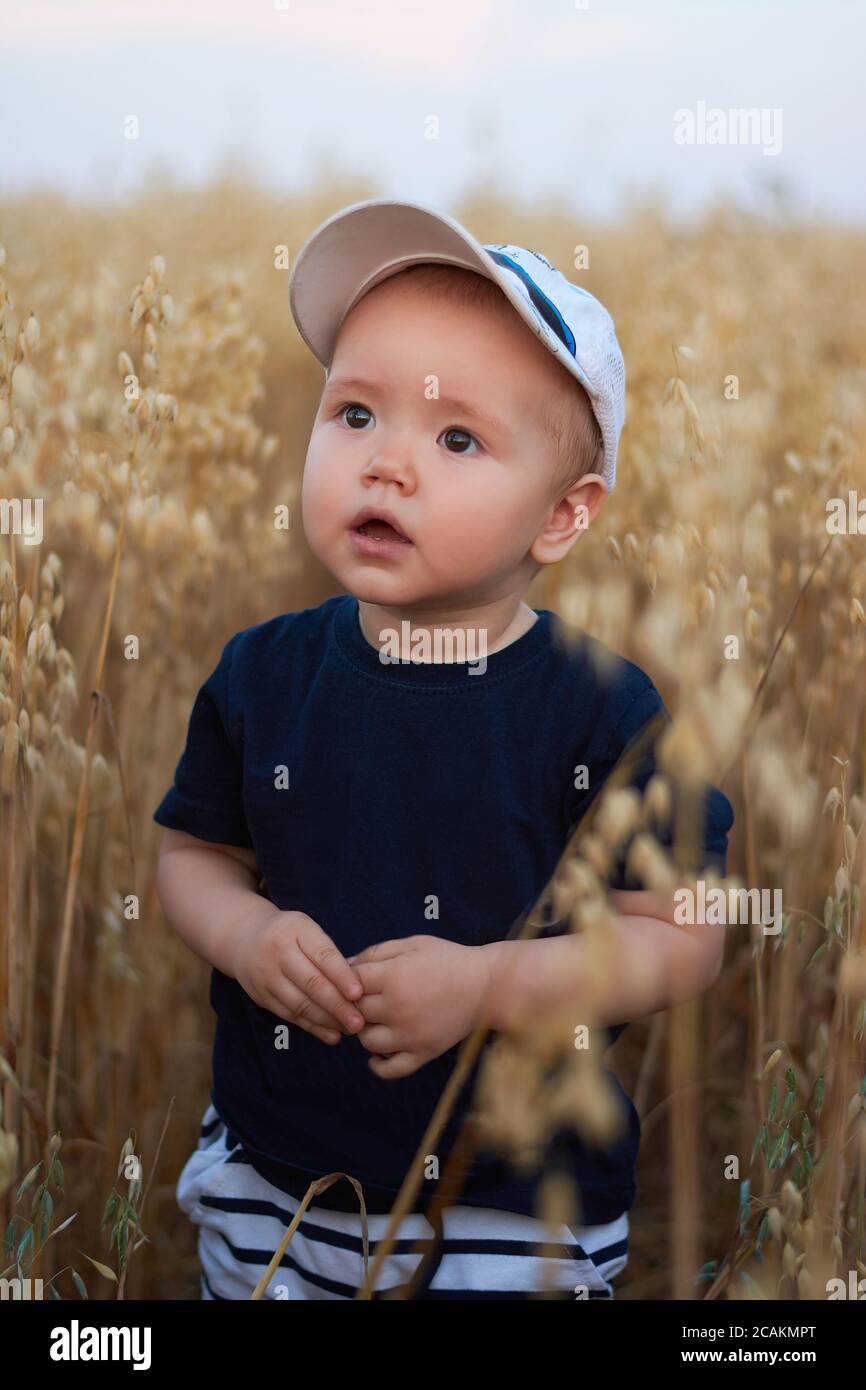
(364,656)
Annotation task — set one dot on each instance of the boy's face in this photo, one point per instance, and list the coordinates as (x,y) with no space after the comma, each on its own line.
(468,484)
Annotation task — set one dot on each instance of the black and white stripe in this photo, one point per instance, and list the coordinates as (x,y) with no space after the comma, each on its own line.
(481,1252)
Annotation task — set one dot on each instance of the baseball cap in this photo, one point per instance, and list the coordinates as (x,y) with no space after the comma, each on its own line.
(365,243)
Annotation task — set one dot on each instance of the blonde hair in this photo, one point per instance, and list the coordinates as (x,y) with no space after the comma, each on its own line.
(576,438)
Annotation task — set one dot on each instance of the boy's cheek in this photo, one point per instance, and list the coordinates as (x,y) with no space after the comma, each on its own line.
(323,509)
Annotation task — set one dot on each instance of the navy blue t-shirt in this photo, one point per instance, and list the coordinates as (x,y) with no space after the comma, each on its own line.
(408,784)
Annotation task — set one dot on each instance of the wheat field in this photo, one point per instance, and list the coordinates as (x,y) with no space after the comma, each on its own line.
(712,565)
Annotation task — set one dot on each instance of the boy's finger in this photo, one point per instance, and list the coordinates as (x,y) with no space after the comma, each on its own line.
(325,1035)
(372,975)
(374,1007)
(382,950)
(397,1065)
(318,947)
(303,973)
(287,1001)
(378,1037)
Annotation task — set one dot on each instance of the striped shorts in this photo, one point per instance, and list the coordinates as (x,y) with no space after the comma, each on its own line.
(482,1252)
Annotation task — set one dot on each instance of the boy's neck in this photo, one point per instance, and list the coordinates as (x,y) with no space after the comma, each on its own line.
(499,624)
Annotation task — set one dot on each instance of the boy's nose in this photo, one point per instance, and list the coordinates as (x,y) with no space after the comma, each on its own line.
(392,464)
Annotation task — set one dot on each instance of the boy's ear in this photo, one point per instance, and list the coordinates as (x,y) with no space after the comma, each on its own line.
(586,499)
(571,516)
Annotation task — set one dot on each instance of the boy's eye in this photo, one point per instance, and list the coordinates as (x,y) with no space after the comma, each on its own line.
(354,415)
(458,440)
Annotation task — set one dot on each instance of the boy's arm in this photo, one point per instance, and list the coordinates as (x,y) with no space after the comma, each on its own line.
(208,893)
(652,964)
(283,960)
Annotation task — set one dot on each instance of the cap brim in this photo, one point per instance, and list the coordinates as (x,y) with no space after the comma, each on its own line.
(364,244)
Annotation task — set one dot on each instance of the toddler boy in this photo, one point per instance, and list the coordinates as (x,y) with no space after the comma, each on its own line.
(397,764)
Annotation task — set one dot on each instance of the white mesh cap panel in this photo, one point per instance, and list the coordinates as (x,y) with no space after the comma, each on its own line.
(557,307)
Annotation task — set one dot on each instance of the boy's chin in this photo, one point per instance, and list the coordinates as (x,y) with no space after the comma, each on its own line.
(386,595)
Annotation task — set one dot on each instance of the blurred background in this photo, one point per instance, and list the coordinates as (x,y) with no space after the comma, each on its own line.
(693,165)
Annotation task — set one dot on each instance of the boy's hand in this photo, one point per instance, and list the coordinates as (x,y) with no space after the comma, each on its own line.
(288,964)
(421,996)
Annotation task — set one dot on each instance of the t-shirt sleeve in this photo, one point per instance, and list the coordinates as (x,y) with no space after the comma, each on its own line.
(206,797)
(612,743)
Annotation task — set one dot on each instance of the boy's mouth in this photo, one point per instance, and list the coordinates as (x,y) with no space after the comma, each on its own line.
(379,526)
(381,531)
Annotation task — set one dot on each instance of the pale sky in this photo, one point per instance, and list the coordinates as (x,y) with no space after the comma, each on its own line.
(551,99)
